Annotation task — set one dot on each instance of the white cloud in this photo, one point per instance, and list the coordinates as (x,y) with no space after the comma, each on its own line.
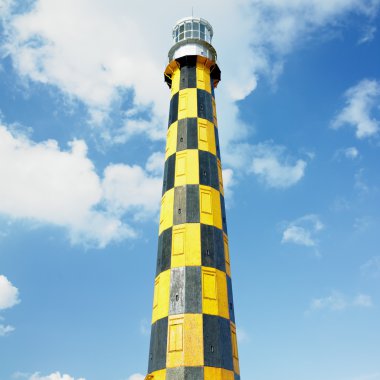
(303,231)
(368,35)
(53,376)
(228,182)
(350,153)
(337,301)
(136,376)
(363,300)
(9,294)
(362,101)
(129,188)
(361,224)
(85,49)
(274,168)
(5,329)
(155,163)
(372,267)
(64,189)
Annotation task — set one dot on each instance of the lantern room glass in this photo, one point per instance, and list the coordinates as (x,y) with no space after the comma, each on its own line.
(192,28)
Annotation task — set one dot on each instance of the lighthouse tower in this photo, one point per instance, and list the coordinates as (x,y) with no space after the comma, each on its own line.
(193,333)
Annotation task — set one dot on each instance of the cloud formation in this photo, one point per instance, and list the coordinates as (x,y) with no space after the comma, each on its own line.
(85,49)
(6,329)
(65,190)
(371,268)
(274,167)
(303,231)
(9,297)
(53,376)
(337,301)
(362,103)
(136,376)
(9,294)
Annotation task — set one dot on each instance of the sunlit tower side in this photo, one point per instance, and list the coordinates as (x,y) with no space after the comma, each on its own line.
(193,332)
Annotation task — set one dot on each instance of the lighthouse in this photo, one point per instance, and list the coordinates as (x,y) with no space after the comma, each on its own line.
(193,333)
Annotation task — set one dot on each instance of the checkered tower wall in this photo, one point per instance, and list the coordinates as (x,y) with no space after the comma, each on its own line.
(193,334)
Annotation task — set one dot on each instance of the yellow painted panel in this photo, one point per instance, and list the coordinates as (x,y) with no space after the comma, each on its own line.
(186,237)
(206,202)
(200,75)
(156,291)
(220,176)
(203,134)
(179,236)
(227,254)
(180,164)
(187,103)
(235,354)
(209,285)
(185,334)
(183,98)
(193,337)
(210,210)
(209,305)
(193,244)
(203,77)
(161,296)
(214,112)
(176,335)
(166,214)
(223,309)
(175,81)
(207,80)
(213,373)
(171,140)
(158,375)
(214,292)
(206,136)
(187,168)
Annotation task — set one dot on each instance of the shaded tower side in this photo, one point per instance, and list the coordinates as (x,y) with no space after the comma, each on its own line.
(193,332)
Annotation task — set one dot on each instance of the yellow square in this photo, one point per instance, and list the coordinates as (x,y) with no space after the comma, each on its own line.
(166,214)
(213,373)
(176,335)
(187,103)
(203,132)
(206,136)
(214,112)
(186,238)
(171,140)
(220,177)
(156,291)
(187,168)
(209,285)
(203,77)
(175,81)
(210,208)
(185,335)
(182,105)
(214,292)
(235,355)
(179,241)
(227,254)
(206,202)
(161,296)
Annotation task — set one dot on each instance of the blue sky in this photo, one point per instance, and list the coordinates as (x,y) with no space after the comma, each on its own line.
(83,112)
